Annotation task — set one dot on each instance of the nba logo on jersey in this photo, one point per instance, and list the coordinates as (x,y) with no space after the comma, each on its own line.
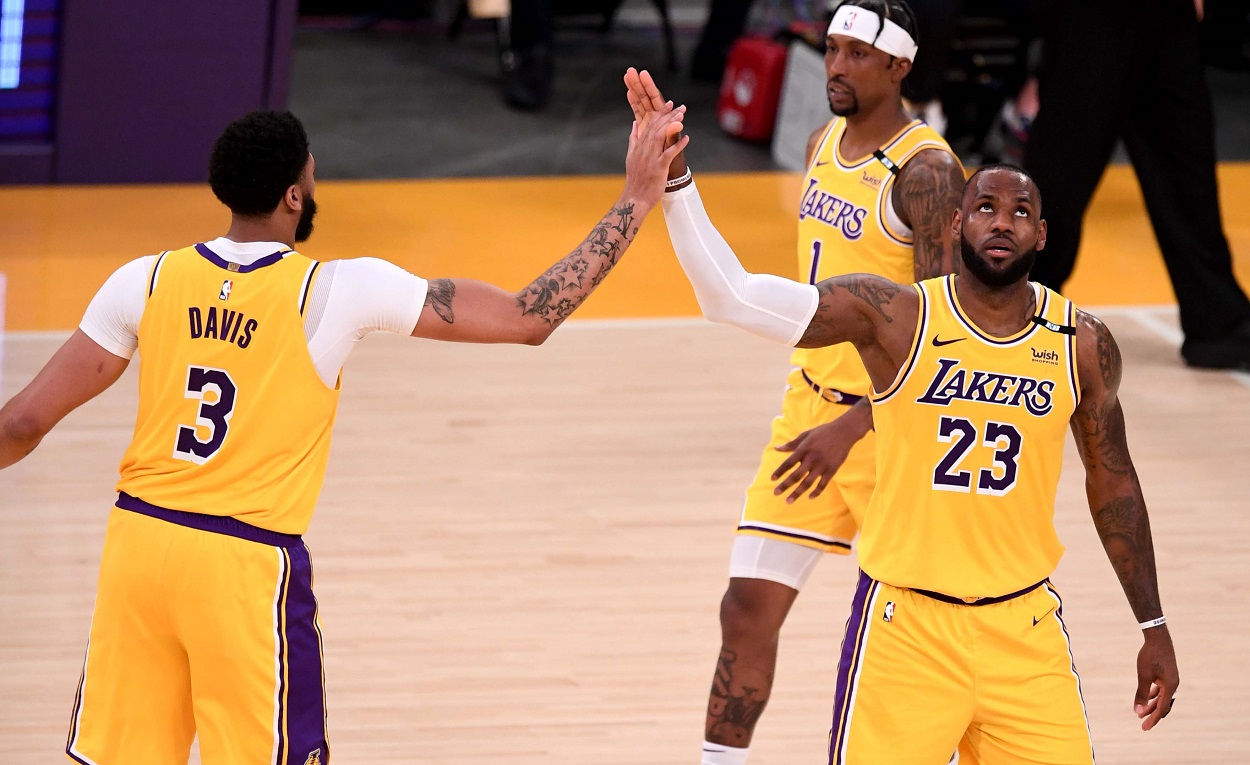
(888,615)
(314,757)
(226,287)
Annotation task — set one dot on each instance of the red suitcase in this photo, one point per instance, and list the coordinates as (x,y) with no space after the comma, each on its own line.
(751,88)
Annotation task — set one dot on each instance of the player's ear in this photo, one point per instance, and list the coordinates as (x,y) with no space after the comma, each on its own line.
(899,69)
(1041,235)
(294,197)
(957,225)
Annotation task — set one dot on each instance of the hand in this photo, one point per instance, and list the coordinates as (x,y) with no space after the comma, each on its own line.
(816,455)
(646,102)
(1198,8)
(1157,678)
(648,159)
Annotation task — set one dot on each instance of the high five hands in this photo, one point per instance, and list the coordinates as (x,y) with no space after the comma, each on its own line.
(647,103)
(654,142)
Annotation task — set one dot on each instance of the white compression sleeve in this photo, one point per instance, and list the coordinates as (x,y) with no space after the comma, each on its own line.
(762,304)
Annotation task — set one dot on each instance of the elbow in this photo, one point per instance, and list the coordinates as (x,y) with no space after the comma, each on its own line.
(20,427)
(538,335)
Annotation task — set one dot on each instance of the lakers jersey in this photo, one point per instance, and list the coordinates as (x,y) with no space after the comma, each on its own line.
(847,225)
(969,447)
(233,417)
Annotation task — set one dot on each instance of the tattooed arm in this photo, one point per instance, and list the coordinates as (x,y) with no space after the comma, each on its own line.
(926,196)
(464,310)
(1119,511)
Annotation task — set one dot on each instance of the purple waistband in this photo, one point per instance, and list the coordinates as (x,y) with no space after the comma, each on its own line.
(979,601)
(218,524)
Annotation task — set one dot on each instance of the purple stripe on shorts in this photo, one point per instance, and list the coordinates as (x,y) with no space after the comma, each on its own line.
(305,691)
(852,643)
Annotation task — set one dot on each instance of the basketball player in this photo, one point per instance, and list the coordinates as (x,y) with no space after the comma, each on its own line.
(956,635)
(877,197)
(205,618)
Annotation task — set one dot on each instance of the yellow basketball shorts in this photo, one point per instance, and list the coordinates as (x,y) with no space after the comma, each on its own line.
(919,675)
(828,522)
(201,623)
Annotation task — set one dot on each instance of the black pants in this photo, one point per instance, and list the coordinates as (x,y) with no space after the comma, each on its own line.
(1131,70)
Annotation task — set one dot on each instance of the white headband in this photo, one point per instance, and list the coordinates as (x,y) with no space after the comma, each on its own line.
(864,25)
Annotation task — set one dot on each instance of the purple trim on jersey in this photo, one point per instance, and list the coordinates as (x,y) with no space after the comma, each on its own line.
(852,646)
(239,268)
(284,575)
(955,309)
(156,270)
(304,698)
(218,524)
(794,535)
(1072,370)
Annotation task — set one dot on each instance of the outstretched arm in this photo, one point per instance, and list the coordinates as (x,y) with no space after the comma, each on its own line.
(926,196)
(465,310)
(77,373)
(1119,511)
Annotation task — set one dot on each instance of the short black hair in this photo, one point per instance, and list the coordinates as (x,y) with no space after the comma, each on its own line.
(1010,168)
(897,11)
(256,159)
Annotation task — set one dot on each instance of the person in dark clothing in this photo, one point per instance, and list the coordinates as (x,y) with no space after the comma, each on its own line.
(528,64)
(1131,70)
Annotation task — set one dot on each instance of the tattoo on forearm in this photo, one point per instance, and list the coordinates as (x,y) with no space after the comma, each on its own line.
(929,192)
(733,708)
(1124,528)
(439,296)
(556,294)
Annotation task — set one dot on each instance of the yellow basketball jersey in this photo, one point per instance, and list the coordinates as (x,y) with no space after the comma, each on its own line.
(847,226)
(233,417)
(969,448)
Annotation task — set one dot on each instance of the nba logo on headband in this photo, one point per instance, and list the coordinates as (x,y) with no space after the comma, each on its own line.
(868,26)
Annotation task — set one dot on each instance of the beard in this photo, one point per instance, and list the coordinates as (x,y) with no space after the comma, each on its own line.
(989,275)
(846,111)
(304,228)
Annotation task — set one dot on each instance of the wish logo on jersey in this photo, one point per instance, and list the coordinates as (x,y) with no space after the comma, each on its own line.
(953,383)
(834,211)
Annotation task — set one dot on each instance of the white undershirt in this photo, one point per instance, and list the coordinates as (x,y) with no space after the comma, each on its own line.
(350,299)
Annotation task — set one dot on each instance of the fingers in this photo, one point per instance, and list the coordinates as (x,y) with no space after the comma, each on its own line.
(798,474)
(803,487)
(820,487)
(650,90)
(675,149)
(785,465)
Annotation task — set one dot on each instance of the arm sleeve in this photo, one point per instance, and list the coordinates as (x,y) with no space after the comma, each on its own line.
(112,318)
(353,298)
(762,304)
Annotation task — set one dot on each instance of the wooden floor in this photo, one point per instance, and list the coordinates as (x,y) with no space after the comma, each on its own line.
(520,552)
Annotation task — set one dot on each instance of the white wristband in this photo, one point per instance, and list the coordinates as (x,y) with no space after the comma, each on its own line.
(678,181)
(1153,623)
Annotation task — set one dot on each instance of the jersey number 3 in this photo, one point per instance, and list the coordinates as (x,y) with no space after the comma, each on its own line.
(1003,438)
(213,417)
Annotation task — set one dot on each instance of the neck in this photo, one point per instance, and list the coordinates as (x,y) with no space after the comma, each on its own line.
(1001,311)
(868,131)
(247,229)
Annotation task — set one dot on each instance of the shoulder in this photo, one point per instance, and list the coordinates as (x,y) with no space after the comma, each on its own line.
(1097,353)
(932,164)
(813,140)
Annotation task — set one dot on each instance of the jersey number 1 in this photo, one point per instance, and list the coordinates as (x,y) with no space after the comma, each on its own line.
(213,417)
